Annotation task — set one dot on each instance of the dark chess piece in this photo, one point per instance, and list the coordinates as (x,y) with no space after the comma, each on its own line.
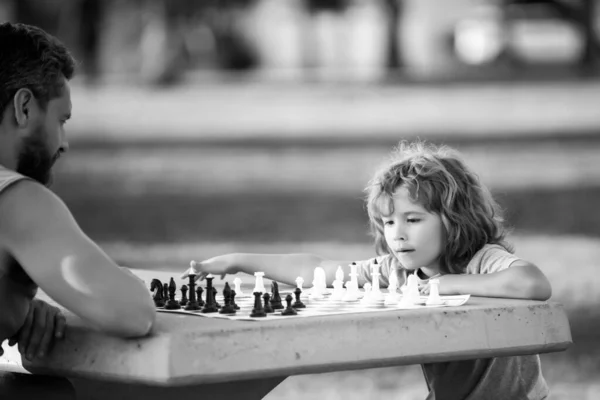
(268,308)
(172,304)
(214,289)
(258,310)
(184,299)
(211,305)
(228,308)
(289,310)
(298,303)
(199,291)
(192,303)
(276,298)
(156,286)
(233,303)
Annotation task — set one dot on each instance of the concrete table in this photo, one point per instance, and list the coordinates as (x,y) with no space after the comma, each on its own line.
(207,358)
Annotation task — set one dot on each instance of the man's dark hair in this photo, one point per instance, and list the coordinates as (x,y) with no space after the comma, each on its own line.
(31,58)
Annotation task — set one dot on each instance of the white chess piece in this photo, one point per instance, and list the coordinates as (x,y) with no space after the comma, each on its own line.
(434,298)
(367,297)
(376,294)
(237,282)
(191,271)
(259,285)
(338,290)
(392,296)
(319,282)
(339,274)
(352,291)
(410,292)
(299,282)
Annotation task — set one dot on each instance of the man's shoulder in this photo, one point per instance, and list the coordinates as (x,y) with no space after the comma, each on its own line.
(24,205)
(9,177)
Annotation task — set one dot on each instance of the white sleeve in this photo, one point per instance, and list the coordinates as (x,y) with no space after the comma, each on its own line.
(490,259)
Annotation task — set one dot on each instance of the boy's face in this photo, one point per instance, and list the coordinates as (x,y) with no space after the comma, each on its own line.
(46,141)
(414,235)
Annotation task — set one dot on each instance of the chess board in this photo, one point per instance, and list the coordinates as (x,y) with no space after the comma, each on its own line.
(316,307)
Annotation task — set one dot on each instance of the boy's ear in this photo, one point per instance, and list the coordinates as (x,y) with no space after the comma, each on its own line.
(25,106)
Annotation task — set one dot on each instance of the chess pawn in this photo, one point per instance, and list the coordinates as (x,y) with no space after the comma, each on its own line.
(267,307)
(434,298)
(338,290)
(367,297)
(199,291)
(184,299)
(289,310)
(298,303)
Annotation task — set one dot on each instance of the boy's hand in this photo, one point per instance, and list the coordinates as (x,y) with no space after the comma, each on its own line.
(220,265)
(44,324)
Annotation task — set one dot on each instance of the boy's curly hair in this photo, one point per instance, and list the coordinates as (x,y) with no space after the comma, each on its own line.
(439,180)
(31,58)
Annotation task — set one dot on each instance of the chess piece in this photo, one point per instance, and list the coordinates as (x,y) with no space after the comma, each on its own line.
(352,291)
(192,303)
(289,310)
(391,297)
(259,285)
(376,294)
(191,274)
(166,291)
(298,303)
(156,286)
(434,298)
(237,282)
(258,310)
(233,303)
(172,304)
(319,283)
(228,308)
(210,306)
(199,292)
(367,297)
(267,307)
(184,299)
(276,297)
(299,282)
(214,290)
(338,290)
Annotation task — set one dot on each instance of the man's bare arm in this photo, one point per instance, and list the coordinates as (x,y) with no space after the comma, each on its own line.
(42,235)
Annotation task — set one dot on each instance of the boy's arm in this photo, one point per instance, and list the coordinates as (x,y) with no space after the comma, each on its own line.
(522,280)
(41,234)
(283,268)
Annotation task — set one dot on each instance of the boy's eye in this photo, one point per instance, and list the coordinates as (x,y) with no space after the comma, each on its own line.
(413,220)
(390,222)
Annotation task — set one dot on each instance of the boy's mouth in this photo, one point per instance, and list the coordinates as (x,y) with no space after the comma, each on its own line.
(404,251)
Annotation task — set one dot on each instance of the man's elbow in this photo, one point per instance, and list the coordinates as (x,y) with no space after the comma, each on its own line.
(132,321)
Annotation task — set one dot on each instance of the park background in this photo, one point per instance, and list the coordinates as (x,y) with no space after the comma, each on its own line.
(207,127)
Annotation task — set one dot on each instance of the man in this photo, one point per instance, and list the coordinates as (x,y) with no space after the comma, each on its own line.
(41,245)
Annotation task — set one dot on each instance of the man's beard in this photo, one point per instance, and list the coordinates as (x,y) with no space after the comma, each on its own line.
(35,161)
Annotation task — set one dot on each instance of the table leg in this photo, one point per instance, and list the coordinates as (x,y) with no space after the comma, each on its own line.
(243,390)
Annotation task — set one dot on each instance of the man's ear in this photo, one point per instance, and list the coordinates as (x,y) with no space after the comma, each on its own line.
(24,104)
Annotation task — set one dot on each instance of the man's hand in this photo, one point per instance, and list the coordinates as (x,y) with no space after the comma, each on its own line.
(44,324)
(220,266)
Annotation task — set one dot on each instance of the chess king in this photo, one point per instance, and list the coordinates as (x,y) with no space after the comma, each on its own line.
(41,244)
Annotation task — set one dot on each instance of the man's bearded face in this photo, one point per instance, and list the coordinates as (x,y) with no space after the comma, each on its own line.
(35,159)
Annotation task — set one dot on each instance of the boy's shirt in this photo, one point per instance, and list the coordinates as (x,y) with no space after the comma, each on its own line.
(517,377)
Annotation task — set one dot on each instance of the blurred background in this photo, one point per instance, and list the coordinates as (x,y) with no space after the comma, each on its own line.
(205,127)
